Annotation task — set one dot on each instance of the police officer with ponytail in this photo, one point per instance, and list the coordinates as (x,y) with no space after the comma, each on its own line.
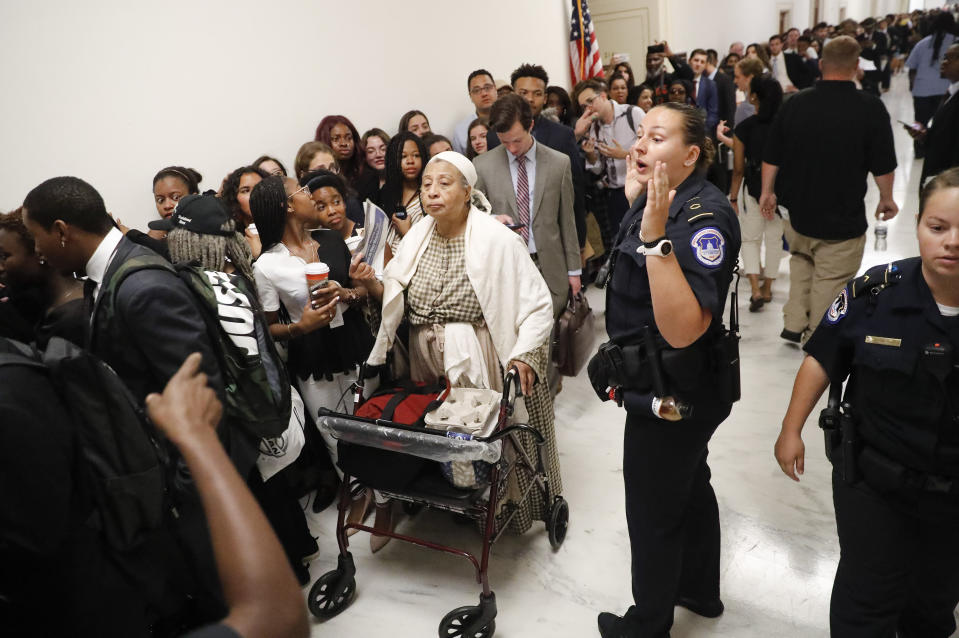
(893,433)
(672,364)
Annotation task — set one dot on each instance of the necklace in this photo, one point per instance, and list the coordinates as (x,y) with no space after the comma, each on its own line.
(311,251)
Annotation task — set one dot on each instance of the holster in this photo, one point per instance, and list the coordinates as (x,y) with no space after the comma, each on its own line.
(839,428)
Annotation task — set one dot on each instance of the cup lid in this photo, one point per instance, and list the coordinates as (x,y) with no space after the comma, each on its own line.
(317,268)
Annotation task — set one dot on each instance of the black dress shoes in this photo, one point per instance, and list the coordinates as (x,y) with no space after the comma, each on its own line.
(704,608)
(612,626)
(789,335)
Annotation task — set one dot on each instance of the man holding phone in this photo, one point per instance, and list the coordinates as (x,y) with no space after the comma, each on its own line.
(656,76)
(608,131)
(942,138)
(531,186)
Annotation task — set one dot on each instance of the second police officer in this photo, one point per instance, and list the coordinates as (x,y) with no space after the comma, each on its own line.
(672,364)
(894,444)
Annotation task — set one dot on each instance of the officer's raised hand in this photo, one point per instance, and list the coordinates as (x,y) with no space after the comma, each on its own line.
(658,199)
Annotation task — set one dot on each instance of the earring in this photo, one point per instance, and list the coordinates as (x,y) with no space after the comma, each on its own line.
(63,243)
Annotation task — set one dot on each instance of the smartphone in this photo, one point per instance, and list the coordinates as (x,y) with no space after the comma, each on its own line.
(515,226)
(656,48)
(916,126)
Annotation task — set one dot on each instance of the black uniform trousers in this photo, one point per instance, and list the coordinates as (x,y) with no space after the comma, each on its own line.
(898,567)
(671,513)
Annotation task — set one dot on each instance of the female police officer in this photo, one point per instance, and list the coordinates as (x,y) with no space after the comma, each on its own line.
(669,274)
(894,333)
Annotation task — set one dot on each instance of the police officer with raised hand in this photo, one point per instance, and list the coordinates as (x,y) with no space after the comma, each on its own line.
(672,364)
(893,436)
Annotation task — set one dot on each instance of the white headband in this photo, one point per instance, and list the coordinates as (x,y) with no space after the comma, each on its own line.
(462,164)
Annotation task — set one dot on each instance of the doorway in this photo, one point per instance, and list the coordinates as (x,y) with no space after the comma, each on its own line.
(785,20)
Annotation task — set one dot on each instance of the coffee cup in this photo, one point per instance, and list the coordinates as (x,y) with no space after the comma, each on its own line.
(317,276)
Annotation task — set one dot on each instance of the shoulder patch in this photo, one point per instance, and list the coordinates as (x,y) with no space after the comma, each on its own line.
(709,246)
(839,307)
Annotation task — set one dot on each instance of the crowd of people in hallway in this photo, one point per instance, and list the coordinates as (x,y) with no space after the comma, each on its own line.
(205,335)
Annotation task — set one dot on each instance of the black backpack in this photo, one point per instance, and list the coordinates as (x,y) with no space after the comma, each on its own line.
(256,384)
(123,464)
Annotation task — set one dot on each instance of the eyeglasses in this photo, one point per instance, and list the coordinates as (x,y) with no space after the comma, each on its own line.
(588,101)
(476,90)
(298,191)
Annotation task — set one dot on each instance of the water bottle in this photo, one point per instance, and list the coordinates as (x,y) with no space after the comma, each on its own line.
(881,231)
(670,409)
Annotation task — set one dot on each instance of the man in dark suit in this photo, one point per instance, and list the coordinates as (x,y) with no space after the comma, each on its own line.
(155,323)
(704,90)
(530,184)
(725,87)
(787,68)
(144,331)
(884,49)
(529,82)
(942,138)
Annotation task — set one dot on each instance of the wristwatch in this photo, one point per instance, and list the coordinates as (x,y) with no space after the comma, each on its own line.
(660,247)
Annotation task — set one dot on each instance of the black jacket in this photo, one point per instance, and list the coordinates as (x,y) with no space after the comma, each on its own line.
(727,98)
(560,138)
(797,70)
(157,324)
(942,140)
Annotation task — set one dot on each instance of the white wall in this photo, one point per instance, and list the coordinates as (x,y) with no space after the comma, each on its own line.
(112,91)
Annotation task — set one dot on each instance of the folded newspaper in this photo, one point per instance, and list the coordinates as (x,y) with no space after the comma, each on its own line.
(373,243)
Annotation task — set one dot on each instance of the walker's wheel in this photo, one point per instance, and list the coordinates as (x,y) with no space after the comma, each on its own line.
(455,623)
(557,522)
(331,594)
(411,509)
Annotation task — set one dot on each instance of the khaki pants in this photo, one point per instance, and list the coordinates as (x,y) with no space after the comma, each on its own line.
(818,269)
(757,230)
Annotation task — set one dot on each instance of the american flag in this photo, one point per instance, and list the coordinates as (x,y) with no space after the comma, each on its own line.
(585,60)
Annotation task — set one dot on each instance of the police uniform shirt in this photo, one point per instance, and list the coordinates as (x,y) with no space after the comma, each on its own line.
(877,332)
(706,240)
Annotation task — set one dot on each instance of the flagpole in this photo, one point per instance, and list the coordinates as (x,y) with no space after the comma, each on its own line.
(582,38)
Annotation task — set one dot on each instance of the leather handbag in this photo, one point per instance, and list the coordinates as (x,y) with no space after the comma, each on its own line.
(574,336)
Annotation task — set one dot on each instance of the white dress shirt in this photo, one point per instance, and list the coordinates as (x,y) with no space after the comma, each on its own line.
(99,261)
(778,64)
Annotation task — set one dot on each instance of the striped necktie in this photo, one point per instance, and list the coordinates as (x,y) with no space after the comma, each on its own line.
(522,196)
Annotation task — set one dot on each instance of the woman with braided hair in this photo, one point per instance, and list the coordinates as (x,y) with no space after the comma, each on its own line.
(406,155)
(326,333)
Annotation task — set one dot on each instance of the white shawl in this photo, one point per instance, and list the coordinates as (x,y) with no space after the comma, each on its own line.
(511,291)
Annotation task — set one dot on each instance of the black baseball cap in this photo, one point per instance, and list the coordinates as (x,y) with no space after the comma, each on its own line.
(202,214)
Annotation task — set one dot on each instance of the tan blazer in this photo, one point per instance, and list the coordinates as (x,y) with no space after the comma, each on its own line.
(554,227)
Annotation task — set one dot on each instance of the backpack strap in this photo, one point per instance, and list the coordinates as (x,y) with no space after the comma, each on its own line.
(11,359)
(16,353)
(106,302)
(629,119)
